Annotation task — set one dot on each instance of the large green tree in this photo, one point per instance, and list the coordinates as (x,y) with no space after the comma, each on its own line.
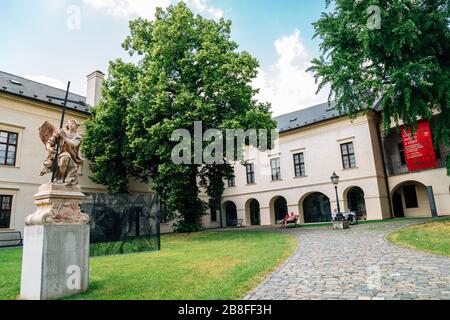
(188,69)
(396,50)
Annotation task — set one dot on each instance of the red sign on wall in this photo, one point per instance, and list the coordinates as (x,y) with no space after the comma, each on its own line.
(419,148)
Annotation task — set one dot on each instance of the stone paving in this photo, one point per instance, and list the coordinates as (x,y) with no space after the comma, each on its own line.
(356,264)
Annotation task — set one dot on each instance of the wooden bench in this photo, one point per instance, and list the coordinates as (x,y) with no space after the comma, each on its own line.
(293,222)
(11,239)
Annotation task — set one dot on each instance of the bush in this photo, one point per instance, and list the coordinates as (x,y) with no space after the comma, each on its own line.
(184,227)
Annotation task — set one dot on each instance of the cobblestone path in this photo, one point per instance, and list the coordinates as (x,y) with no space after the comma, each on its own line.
(356,264)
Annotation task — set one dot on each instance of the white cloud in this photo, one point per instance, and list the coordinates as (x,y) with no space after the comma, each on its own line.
(201,6)
(286,84)
(146,8)
(128,8)
(48,81)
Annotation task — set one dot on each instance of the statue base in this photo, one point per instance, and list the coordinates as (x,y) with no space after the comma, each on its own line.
(55,260)
(57,204)
(341,225)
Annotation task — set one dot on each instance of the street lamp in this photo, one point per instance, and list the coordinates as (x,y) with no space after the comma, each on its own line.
(335,180)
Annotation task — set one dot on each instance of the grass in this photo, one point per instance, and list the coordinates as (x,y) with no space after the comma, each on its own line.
(10,266)
(433,237)
(128,245)
(201,266)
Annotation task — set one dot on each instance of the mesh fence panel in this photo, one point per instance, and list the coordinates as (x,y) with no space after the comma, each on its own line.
(123,223)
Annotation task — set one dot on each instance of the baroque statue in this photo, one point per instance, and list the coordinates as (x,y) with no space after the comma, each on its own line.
(59,202)
(69,164)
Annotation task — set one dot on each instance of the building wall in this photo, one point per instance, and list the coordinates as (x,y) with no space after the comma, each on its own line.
(320,144)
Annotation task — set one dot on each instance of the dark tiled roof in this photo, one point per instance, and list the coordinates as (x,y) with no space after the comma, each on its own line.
(306,117)
(40,92)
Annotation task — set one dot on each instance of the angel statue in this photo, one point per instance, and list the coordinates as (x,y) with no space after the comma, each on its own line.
(70,162)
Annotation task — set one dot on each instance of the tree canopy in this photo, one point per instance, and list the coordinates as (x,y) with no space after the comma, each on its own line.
(188,69)
(393,51)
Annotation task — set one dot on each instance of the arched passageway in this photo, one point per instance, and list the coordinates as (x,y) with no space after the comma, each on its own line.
(411,199)
(231,214)
(316,208)
(280,209)
(356,202)
(253,212)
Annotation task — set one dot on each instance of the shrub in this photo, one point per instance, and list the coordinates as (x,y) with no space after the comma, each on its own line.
(185,227)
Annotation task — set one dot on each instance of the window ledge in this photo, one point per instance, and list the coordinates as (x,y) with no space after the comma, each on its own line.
(7,166)
(279,180)
(251,184)
(300,177)
(348,169)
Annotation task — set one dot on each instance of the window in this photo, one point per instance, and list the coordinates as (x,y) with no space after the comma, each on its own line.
(401,150)
(213,215)
(214,209)
(276,169)
(163,213)
(232,182)
(8,148)
(437,152)
(5,211)
(250,168)
(348,155)
(299,165)
(410,197)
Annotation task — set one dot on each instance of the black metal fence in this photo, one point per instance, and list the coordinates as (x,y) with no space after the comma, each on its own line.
(396,168)
(123,223)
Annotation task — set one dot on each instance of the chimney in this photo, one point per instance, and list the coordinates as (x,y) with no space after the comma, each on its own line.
(94,88)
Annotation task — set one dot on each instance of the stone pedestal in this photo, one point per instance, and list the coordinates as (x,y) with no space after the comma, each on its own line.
(55,260)
(341,225)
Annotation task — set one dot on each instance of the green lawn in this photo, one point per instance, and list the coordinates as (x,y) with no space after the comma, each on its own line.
(431,237)
(201,266)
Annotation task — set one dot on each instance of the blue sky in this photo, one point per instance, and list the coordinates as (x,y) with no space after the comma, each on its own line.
(42,40)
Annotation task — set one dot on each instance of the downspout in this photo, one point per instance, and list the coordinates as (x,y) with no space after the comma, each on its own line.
(383,158)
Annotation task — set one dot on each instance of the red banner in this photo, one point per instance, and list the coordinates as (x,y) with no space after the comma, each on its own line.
(419,148)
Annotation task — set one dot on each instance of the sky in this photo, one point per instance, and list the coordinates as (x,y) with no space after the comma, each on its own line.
(54,41)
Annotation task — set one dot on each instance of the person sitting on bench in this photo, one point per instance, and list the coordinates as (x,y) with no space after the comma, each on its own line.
(290,218)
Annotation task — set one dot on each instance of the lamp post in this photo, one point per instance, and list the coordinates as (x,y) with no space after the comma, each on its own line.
(335,180)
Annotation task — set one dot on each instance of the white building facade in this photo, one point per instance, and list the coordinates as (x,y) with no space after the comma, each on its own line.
(316,142)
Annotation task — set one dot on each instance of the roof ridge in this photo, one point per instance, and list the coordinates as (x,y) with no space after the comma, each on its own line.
(293,112)
(62,90)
